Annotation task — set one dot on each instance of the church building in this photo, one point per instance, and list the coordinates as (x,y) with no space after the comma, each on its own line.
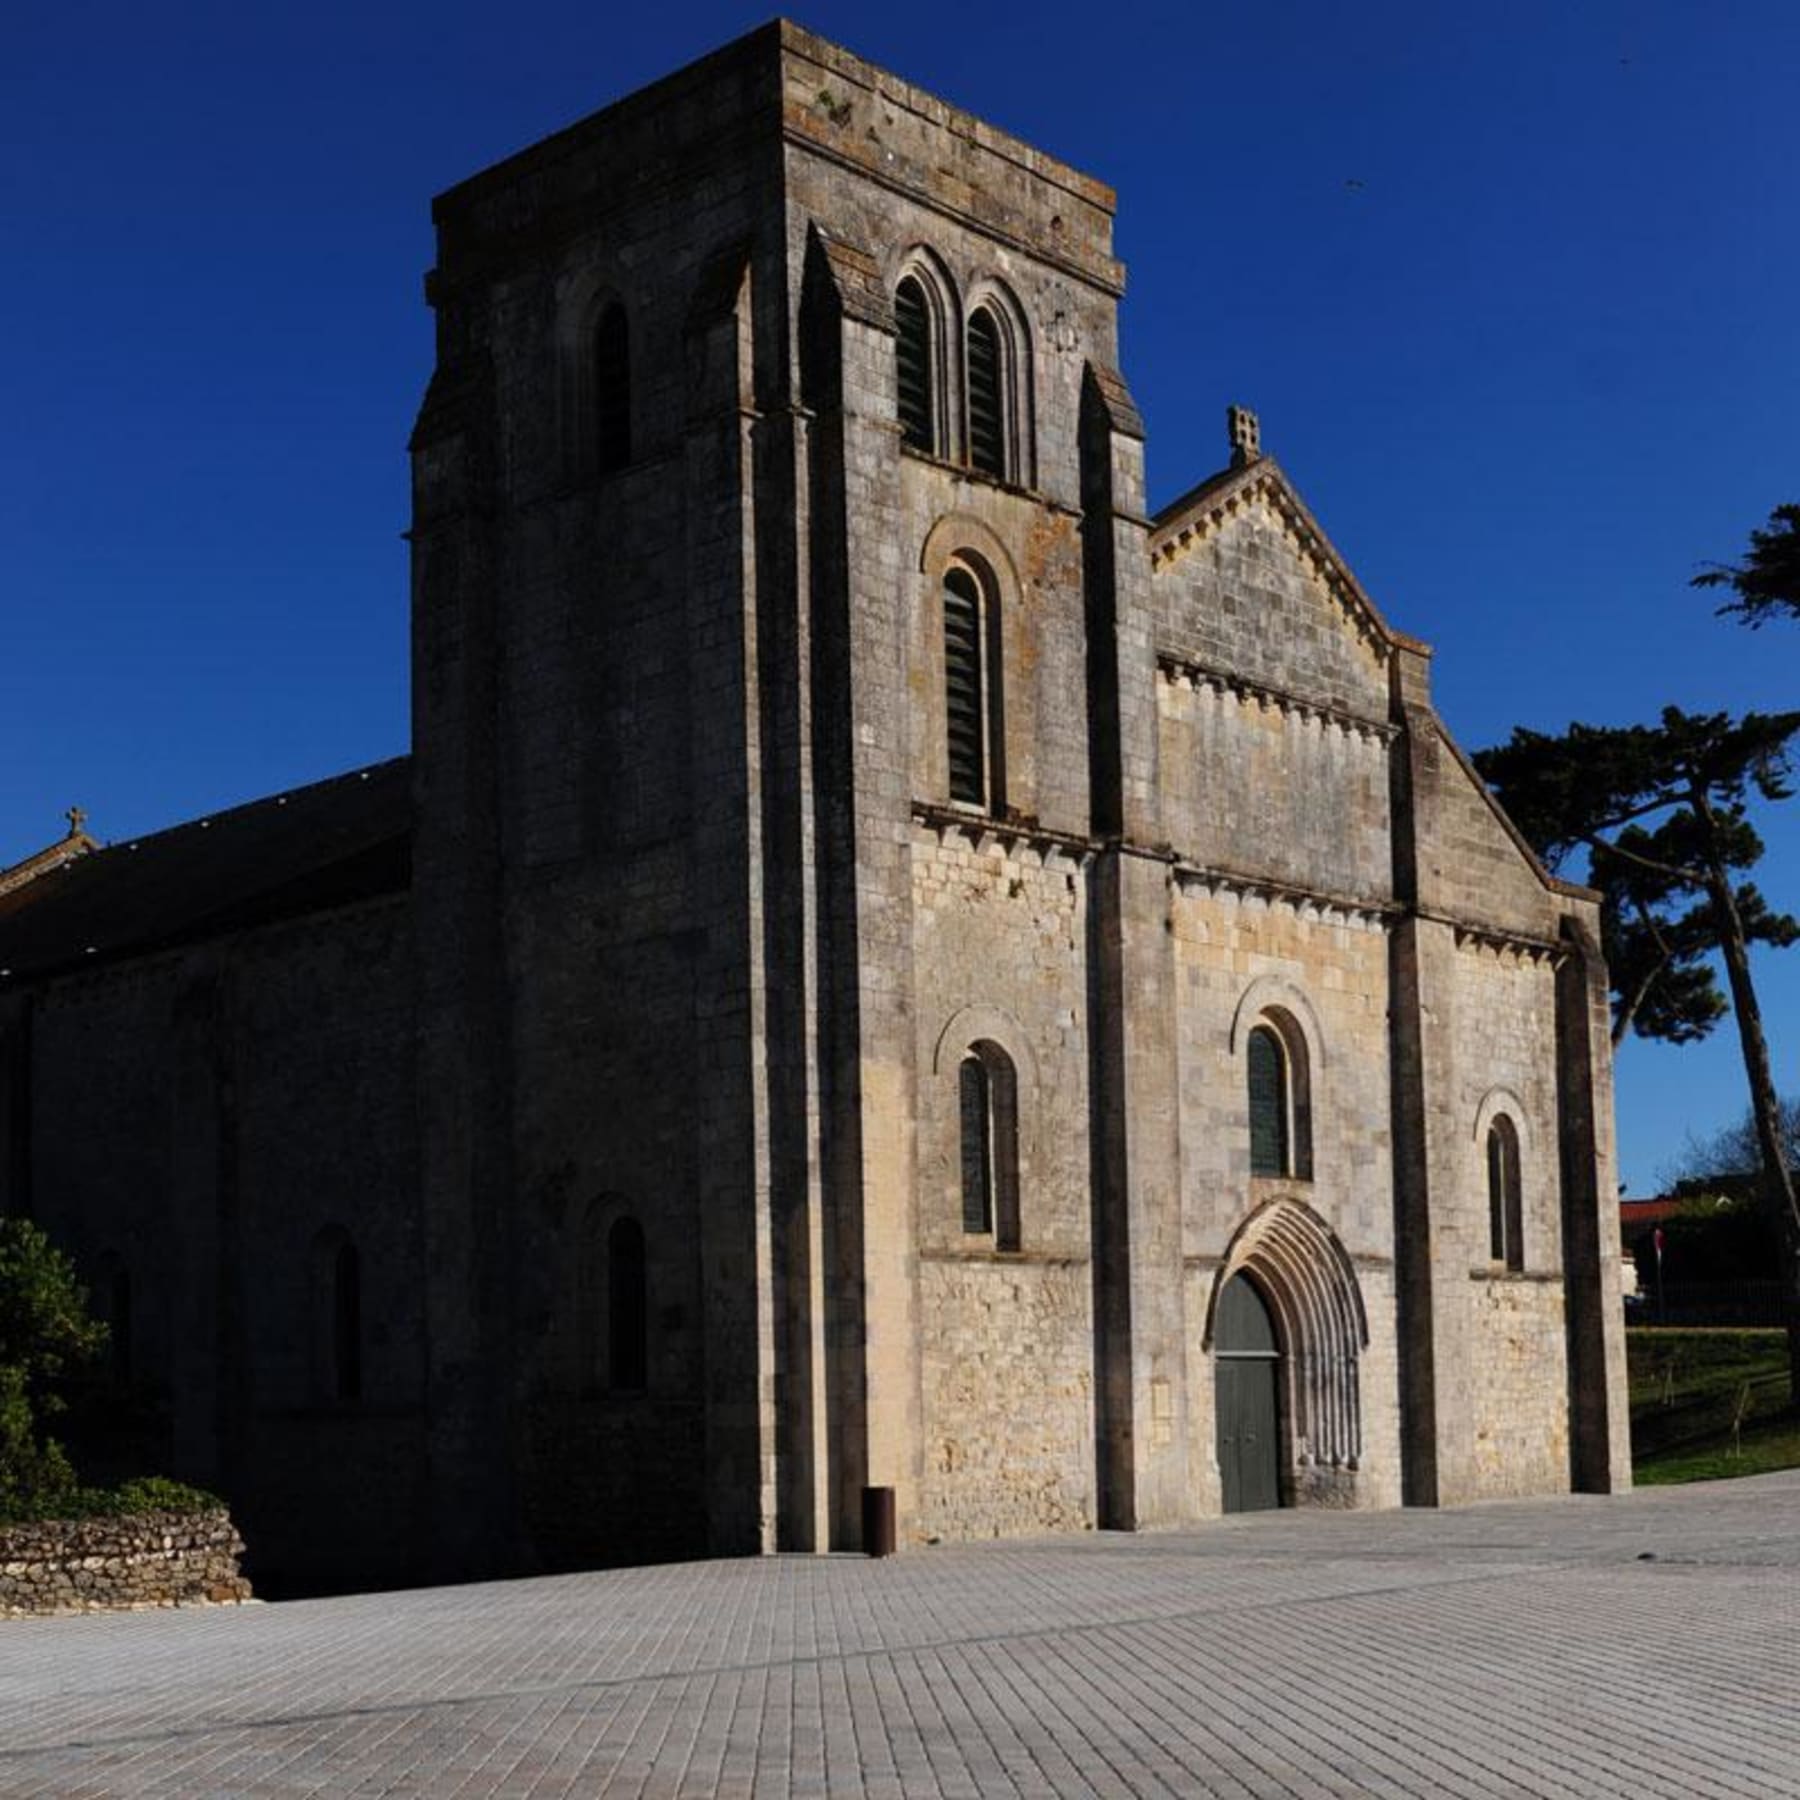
(887,966)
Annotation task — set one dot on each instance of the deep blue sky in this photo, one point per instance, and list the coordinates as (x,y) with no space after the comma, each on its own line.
(1516,290)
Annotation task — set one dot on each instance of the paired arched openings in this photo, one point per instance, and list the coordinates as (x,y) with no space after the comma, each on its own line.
(962,376)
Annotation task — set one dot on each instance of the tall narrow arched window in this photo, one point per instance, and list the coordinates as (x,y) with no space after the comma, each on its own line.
(916,377)
(988,398)
(988,1125)
(112,1305)
(612,389)
(627,1308)
(1506,1211)
(346,1321)
(337,1316)
(973,719)
(1271,1141)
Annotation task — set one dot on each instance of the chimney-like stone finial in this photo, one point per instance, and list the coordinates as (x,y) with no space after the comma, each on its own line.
(1246,436)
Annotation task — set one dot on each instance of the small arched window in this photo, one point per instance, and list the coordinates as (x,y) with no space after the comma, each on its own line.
(612,389)
(112,1305)
(914,369)
(337,1316)
(988,1107)
(1270,1134)
(972,703)
(1506,1212)
(627,1308)
(988,396)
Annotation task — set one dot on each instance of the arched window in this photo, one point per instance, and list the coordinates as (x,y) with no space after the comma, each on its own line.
(916,377)
(612,389)
(1506,1220)
(112,1306)
(627,1309)
(972,702)
(988,1108)
(988,396)
(1278,1077)
(1270,1135)
(337,1316)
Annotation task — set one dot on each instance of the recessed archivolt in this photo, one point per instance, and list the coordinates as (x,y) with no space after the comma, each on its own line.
(1269,996)
(992,1024)
(960,537)
(1498,1102)
(1296,1263)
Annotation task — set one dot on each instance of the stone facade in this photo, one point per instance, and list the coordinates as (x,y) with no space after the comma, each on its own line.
(856,855)
(124,1564)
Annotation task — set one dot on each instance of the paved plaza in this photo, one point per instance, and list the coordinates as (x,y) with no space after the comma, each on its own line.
(1648,1645)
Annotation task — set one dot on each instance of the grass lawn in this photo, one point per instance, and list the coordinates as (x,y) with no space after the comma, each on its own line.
(1686,1387)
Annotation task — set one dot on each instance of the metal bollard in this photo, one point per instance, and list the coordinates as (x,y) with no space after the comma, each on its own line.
(878,1521)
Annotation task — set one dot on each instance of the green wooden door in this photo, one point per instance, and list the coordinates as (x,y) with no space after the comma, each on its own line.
(1248,1360)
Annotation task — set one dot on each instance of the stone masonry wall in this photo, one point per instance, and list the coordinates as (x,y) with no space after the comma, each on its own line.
(1251,784)
(1235,954)
(1246,599)
(1501,1025)
(125,1564)
(1006,1338)
(1518,1401)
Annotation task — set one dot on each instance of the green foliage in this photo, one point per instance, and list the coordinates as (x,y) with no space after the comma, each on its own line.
(1691,1390)
(1661,811)
(46,1341)
(45,1337)
(1765,1445)
(145,1494)
(1766,584)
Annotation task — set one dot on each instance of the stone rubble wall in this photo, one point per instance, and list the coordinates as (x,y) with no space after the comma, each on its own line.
(120,1564)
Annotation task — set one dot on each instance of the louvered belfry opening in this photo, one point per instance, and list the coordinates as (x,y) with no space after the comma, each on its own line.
(964,688)
(612,390)
(1268,1104)
(912,353)
(987,425)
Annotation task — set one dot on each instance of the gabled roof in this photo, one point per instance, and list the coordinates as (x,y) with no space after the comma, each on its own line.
(1198,513)
(337,841)
(73,843)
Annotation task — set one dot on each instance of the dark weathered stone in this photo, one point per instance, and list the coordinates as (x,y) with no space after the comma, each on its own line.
(695,934)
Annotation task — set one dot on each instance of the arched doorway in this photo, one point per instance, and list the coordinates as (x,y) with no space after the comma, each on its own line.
(1247,1361)
(1286,1297)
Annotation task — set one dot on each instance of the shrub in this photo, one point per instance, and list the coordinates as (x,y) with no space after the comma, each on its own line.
(45,1336)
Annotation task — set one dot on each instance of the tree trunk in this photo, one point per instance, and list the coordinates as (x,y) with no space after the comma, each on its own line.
(1765,1105)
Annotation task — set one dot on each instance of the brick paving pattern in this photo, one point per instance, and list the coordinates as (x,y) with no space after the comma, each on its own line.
(1527,1648)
